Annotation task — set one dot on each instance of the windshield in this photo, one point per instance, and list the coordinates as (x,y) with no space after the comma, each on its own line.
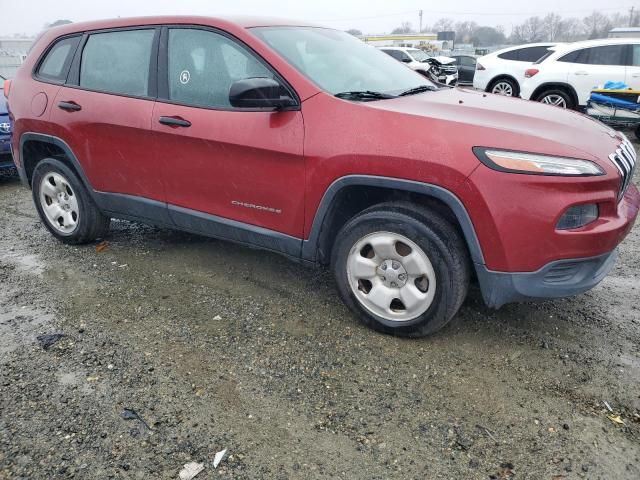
(419,55)
(338,62)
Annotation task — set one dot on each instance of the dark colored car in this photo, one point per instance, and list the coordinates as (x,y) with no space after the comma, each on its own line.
(306,141)
(466,68)
(6,162)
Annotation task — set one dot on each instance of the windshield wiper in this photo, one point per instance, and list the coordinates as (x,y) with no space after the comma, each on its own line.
(420,89)
(364,95)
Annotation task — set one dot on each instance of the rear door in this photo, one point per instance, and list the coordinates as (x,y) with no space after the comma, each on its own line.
(104,111)
(222,163)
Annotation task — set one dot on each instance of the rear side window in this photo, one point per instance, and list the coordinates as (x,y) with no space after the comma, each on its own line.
(529,54)
(55,65)
(605,55)
(118,62)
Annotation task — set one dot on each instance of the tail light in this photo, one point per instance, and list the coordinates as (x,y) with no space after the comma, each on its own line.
(532,72)
(7,87)
(479,66)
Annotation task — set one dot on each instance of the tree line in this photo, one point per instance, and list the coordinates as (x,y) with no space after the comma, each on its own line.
(549,28)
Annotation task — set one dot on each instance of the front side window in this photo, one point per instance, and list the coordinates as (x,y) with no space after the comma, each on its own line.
(55,65)
(338,62)
(117,62)
(202,66)
(605,55)
(635,57)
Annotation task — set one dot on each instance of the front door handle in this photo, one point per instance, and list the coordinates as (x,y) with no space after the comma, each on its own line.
(69,106)
(581,72)
(175,122)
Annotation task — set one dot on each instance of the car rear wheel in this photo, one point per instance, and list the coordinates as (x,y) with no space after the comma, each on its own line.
(64,205)
(402,270)
(556,98)
(505,87)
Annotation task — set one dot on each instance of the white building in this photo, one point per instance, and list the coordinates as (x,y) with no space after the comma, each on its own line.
(625,32)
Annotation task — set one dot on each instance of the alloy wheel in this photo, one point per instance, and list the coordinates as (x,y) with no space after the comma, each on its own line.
(554,100)
(391,276)
(503,88)
(59,203)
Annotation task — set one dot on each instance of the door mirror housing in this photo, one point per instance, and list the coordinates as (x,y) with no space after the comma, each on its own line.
(260,93)
(406,60)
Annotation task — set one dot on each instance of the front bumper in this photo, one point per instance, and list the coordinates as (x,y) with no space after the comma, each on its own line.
(563,278)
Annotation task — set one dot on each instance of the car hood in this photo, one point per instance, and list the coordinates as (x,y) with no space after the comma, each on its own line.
(445,60)
(482,119)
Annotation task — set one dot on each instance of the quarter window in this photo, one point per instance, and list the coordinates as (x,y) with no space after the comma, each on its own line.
(529,54)
(635,58)
(55,65)
(203,65)
(118,62)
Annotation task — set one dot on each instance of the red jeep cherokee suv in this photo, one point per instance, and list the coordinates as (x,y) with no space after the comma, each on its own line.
(306,141)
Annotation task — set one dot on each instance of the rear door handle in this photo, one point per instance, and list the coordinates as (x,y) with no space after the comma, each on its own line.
(175,122)
(69,106)
(581,72)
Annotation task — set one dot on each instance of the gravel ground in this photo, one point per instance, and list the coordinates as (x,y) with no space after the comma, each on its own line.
(217,346)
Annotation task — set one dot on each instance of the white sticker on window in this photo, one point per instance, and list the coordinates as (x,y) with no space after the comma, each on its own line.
(185,76)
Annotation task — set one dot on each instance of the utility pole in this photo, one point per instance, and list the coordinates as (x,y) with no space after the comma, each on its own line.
(420,14)
(631,17)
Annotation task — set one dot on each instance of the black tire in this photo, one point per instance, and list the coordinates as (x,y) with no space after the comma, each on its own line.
(568,99)
(447,253)
(91,222)
(515,88)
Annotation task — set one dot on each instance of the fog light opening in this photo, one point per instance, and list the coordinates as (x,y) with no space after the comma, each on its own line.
(578,216)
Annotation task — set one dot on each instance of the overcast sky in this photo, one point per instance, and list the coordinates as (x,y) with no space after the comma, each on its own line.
(370,16)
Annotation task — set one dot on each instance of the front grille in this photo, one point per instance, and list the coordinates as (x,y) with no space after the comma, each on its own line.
(624,159)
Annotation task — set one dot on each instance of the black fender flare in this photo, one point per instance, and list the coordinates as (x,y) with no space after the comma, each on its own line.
(310,246)
(58,142)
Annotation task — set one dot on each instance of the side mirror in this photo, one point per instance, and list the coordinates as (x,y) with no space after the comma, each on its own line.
(259,93)
(406,60)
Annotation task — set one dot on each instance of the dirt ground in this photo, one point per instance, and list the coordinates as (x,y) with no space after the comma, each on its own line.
(217,346)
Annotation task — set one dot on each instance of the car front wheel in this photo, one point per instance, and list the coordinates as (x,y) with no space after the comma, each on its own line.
(403,270)
(556,98)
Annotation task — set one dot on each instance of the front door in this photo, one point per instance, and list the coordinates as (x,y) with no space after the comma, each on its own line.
(227,171)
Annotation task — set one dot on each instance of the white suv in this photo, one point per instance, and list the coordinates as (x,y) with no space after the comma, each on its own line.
(417,60)
(501,72)
(567,75)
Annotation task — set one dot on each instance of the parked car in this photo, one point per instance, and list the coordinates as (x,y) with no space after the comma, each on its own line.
(566,76)
(438,68)
(6,162)
(305,141)
(502,72)
(466,65)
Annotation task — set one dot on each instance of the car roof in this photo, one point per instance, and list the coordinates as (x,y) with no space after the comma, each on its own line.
(570,47)
(241,21)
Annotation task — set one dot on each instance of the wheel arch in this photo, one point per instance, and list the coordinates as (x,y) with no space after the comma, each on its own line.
(556,86)
(35,147)
(349,195)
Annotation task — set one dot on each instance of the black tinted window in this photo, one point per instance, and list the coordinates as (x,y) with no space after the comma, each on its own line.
(466,61)
(528,54)
(55,64)
(203,65)
(532,54)
(605,55)
(118,62)
(393,53)
(512,55)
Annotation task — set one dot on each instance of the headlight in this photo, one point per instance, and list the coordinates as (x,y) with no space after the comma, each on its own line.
(535,164)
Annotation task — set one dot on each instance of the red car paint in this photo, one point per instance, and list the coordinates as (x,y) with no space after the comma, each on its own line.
(288,160)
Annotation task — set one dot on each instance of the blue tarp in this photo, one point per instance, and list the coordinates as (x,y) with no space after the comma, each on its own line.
(614,102)
(615,86)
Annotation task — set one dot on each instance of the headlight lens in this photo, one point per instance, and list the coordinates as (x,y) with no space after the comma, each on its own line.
(535,164)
